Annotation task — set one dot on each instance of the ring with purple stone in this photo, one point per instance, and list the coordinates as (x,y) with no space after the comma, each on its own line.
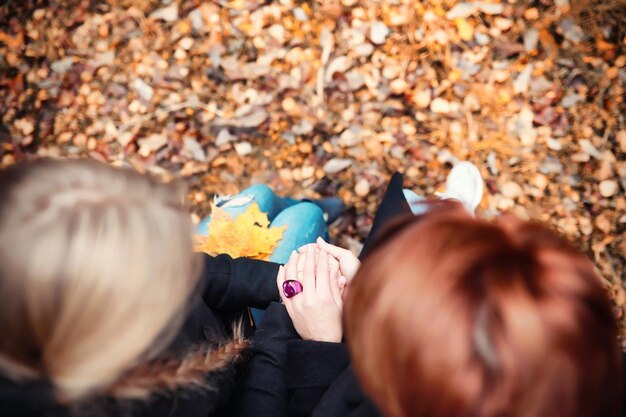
(292,287)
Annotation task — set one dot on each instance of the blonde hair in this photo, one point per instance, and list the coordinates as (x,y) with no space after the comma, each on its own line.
(96,267)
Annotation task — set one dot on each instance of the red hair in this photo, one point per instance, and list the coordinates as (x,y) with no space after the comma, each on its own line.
(458,317)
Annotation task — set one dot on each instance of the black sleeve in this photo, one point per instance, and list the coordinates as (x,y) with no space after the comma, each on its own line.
(229,284)
(263,392)
(287,375)
(392,206)
(311,369)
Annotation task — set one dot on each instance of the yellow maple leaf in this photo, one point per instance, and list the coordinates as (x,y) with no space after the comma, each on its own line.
(247,235)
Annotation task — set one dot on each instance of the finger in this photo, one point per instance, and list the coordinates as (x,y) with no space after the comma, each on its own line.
(334,285)
(301,252)
(323,276)
(342,282)
(280,278)
(287,302)
(348,263)
(296,301)
(292,266)
(309,272)
(301,259)
(302,249)
(335,251)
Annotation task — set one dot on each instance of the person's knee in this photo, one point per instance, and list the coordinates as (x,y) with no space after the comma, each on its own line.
(260,192)
(305,223)
(264,198)
(304,212)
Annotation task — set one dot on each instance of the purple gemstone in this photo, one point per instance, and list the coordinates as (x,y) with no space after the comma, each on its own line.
(291,287)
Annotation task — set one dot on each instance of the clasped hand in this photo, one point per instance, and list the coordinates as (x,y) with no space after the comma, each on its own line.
(325,271)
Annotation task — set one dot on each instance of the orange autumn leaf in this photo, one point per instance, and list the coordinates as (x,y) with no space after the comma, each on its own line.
(247,235)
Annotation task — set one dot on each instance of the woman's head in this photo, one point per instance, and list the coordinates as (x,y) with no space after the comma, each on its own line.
(454,316)
(96,265)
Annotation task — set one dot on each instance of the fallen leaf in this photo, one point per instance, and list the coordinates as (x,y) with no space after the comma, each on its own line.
(340,64)
(243,148)
(571,31)
(151,144)
(511,190)
(362,187)
(440,106)
(336,165)
(621,140)
(62,65)
(587,147)
(378,32)
(26,126)
(608,188)
(253,119)
(422,98)
(249,235)
(548,43)
(143,90)
(224,137)
(13,42)
(491,8)
(531,38)
(464,10)
(103,59)
(465,29)
(461,11)
(350,137)
(168,14)
(520,85)
(194,149)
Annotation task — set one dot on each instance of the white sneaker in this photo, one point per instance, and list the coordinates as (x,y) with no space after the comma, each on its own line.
(464,184)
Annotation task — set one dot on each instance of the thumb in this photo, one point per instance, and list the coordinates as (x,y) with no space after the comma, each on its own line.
(336,251)
(335,286)
(341,282)
(348,263)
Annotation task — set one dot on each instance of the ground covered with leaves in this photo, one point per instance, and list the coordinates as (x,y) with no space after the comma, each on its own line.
(331,97)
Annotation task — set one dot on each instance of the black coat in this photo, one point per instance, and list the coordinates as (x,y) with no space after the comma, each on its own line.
(227,286)
(288,376)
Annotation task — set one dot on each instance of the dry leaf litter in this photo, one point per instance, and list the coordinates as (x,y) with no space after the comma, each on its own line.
(330,97)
